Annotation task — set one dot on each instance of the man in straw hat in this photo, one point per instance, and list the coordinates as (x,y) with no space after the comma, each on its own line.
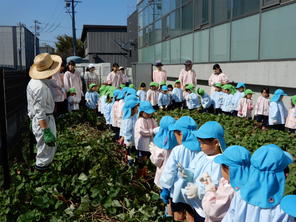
(41,107)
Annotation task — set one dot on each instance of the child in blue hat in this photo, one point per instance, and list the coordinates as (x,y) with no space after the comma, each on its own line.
(235,162)
(142,92)
(180,156)
(164,99)
(277,111)
(130,111)
(163,143)
(211,138)
(288,204)
(259,198)
(144,134)
(240,88)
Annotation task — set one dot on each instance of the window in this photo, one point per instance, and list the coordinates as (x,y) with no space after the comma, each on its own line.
(245,38)
(278,31)
(175,23)
(187,17)
(200,12)
(220,11)
(140,20)
(157,50)
(175,51)
(220,43)
(201,46)
(186,47)
(141,39)
(267,3)
(165,52)
(157,29)
(244,7)
(165,27)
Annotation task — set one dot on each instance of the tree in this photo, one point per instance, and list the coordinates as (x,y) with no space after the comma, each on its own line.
(64,47)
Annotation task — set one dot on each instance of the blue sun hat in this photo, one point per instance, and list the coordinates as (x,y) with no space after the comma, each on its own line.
(120,95)
(187,126)
(131,97)
(277,95)
(288,204)
(130,91)
(266,183)
(127,108)
(164,88)
(240,84)
(145,106)
(212,129)
(165,138)
(116,93)
(237,158)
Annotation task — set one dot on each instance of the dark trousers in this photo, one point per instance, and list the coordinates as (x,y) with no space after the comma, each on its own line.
(278,127)
(217,111)
(234,112)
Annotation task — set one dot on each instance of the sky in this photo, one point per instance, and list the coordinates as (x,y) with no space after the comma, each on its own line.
(54,19)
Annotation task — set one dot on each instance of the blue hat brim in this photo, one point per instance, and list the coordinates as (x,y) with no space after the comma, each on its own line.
(203,135)
(220,159)
(148,111)
(288,205)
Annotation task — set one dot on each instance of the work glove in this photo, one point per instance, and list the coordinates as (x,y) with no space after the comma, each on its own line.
(185,174)
(191,191)
(207,181)
(49,138)
(165,195)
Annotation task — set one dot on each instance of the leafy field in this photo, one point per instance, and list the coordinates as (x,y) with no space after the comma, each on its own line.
(90,182)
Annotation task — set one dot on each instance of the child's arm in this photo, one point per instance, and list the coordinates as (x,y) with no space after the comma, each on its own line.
(157,156)
(143,129)
(216,203)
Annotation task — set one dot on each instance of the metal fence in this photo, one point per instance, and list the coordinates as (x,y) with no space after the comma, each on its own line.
(13,105)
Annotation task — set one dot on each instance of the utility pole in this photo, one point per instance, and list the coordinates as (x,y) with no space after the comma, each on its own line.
(71,12)
(36,33)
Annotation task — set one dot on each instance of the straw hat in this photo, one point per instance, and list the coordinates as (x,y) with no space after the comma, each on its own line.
(45,65)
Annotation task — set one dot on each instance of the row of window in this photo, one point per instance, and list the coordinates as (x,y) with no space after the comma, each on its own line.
(183,16)
(242,40)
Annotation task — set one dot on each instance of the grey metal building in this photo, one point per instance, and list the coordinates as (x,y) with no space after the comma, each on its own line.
(132,35)
(17,47)
(46,49)
(105,44)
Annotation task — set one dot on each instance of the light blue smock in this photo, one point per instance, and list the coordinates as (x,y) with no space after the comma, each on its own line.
(170,178)
(142,94)
(235,99)
(91,99)
(129,128)
(240,210)
(206,101)
(217,98)
(107,112)
(200,165)
(178,95)
(277,112)
(103,102)
(164,99)
(227,103)
(192,101)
